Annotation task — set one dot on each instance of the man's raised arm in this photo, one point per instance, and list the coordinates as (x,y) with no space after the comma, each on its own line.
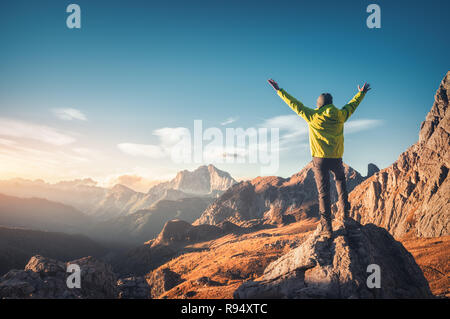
(348,109)
(305,112)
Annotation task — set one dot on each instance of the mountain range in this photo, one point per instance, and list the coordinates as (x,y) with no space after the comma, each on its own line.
(258,238)
(121,215)
(41,214)
(106,203)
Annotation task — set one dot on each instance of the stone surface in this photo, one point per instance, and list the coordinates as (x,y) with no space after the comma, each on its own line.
(162,280)
(411,195)
(46,278)
(338,268)
(97,278)
(133,288)
(206,281)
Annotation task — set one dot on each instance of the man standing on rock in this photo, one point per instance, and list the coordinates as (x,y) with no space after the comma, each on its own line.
(326,139)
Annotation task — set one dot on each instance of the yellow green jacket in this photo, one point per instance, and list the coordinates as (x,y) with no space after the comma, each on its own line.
(326,124)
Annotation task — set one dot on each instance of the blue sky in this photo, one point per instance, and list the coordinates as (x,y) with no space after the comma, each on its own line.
(136,67)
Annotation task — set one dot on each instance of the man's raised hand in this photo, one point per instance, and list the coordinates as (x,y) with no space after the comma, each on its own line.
(273,84)
(366,87)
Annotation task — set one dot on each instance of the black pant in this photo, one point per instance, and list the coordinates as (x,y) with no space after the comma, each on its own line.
(322,167)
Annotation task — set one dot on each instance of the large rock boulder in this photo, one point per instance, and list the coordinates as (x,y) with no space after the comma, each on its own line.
(338,268)
(46,278)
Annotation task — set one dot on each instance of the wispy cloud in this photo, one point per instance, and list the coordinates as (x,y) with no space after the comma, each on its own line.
(361,125)
(293,130)
(6,142)
(89,153)
(44,161)
(168,137)
(152,151)
(229,120)
(131,180)
(46,134)
(69,114)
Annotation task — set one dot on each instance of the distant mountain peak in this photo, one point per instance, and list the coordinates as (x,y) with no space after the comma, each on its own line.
(121,188)
(205,179)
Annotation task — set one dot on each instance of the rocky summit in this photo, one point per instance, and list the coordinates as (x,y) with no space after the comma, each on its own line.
(338,268)
(203,180)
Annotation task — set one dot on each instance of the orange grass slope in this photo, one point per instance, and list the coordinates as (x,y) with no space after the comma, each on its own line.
(230,260)
(433,257)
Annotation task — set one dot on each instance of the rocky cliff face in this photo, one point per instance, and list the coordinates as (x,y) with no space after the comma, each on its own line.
(338,268)
(273,199)
(412,195)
